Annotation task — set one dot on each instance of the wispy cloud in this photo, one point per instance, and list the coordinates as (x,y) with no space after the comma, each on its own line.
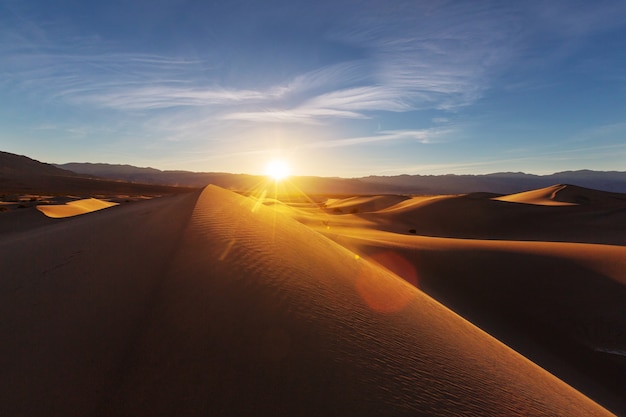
(410,66)
(441,62)
(438,56)
(160,97)
(301,115)
(422,136)
(352,103)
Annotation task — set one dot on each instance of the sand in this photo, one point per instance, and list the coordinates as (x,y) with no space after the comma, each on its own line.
(477,216)
(560,303)
(548,196)
(74,208)
(213,304)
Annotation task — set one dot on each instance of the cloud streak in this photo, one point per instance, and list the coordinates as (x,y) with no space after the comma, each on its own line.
(424,136)
(162,97)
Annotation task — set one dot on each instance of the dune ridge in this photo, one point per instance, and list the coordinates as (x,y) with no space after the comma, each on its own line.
(217,305)
(544,197)
(365,204)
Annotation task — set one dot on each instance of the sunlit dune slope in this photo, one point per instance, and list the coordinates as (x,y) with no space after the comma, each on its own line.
(75,208)
(560,303)
(217,305)
(365,204)
(582,195)
(543,197)
(479,216)
(564,195)
(411,203)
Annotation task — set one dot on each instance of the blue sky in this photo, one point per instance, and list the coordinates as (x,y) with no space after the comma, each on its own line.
(337,88)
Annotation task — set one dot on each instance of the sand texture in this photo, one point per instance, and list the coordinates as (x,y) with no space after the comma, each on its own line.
(515,270)
(213,304)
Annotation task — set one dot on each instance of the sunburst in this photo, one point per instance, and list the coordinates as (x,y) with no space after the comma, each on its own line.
(277,169)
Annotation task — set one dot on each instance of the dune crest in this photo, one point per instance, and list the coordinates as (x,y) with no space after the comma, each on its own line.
(564,195)
(543,197)
(74,208)
(365,204)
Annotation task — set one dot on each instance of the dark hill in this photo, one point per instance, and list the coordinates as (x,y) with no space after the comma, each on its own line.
(12,166)
(22,175)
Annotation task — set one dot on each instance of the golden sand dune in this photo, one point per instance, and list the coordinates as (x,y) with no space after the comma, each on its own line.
(563,195)
(213,305)
(561,303)
(412,203)
(548,196)
(365,204)
(74,208)
(582,195)
(479,216)
(558,303)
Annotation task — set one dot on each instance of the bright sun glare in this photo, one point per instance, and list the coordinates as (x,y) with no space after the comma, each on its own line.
(277,170)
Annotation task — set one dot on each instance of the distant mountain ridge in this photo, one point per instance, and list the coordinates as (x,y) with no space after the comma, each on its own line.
(17,169)
(505,182)
(500,183)
(21,174)
(152,175)
(17,165)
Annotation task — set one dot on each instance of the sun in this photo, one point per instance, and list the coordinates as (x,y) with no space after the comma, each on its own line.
(277,169)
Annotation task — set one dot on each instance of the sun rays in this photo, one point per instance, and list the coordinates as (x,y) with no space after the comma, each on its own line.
(277,169)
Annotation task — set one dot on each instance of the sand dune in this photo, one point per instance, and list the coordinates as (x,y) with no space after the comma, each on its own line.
(364,204)
(561,303)
(212,304)
(564,195)
(582,195)
(74,208)
(411,203)
(479,216)
(548,196)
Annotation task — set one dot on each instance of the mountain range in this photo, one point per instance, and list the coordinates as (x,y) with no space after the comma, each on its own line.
(500,183)
(23,173)
(20,174)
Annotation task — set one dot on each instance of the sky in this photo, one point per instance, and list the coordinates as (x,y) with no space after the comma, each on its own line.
(335,88)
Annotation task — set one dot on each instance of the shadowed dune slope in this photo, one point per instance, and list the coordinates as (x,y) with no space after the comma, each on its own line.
(560,304)
(582,195)
(74,293)
(17,221)
(216,305)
